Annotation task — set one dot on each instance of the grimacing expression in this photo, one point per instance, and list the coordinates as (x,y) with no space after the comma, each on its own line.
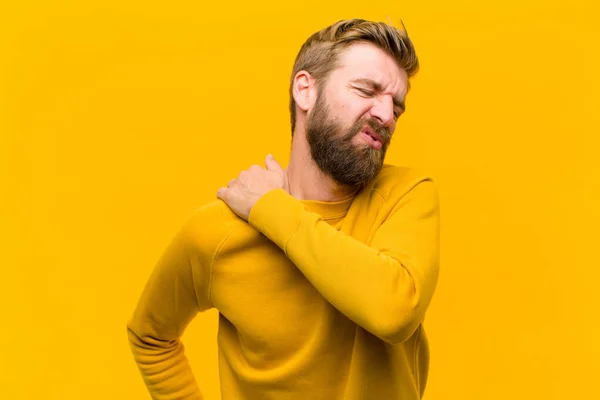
(333,150)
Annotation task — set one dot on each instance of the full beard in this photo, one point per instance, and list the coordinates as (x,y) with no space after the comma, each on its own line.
(334,153)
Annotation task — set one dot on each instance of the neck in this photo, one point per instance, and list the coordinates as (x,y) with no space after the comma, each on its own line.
(306,181)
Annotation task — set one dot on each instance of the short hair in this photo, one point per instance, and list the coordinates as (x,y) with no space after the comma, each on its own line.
(319,55)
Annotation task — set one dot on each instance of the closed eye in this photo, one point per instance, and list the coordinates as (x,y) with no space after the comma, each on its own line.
(366,92)
(399,110)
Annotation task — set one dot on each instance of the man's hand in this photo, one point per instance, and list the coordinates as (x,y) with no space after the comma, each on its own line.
(242,193)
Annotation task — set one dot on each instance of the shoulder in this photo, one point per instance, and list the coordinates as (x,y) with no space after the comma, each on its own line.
(394,182)
(208,226)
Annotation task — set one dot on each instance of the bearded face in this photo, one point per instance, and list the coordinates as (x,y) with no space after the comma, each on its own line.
(333,146)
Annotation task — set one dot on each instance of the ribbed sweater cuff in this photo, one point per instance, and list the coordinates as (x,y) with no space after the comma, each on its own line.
(277,216)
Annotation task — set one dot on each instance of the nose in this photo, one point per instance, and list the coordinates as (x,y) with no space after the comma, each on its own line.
(383,110)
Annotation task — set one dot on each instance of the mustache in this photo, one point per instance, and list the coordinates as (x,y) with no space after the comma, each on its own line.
(383,132)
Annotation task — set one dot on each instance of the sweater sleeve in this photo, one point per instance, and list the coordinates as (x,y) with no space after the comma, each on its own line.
(175,292)
(385,287)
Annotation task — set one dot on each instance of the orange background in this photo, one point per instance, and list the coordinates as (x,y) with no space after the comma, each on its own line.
(117,120)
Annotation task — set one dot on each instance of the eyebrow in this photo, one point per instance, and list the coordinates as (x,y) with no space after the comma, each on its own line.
(377,87)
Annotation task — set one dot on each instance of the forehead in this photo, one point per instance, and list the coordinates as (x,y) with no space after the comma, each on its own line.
(367,61)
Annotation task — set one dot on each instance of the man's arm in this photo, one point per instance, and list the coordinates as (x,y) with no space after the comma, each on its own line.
(176,291)
(386,287)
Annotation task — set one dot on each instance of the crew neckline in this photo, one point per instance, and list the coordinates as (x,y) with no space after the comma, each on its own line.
(328,209)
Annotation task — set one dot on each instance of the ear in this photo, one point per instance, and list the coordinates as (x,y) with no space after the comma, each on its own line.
(304,90)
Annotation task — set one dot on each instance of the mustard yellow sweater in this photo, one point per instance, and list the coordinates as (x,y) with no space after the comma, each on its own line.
(316,300)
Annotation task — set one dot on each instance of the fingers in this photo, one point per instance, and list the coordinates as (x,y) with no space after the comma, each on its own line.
(221,193)
(272,164)
(230,183)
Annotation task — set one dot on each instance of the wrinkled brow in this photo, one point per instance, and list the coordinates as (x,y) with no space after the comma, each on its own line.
(398,102)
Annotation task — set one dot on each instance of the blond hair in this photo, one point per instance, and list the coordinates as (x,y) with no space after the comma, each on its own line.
(319,55)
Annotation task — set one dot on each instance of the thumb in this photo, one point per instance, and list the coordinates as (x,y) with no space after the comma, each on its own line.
(272,164)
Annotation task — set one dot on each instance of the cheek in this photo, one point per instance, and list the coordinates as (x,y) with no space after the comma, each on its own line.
(350,111)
